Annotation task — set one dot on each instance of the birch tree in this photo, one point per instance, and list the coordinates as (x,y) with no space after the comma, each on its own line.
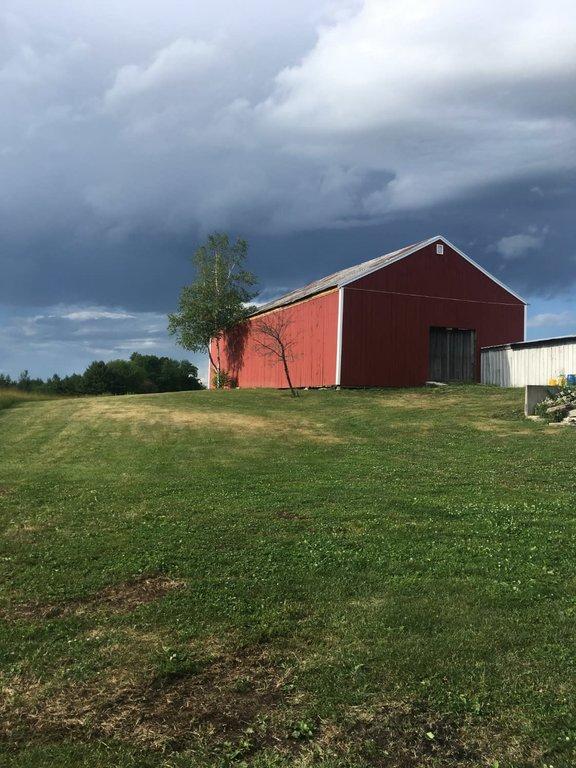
(217,299)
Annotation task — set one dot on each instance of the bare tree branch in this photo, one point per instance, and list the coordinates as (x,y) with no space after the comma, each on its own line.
(275,340)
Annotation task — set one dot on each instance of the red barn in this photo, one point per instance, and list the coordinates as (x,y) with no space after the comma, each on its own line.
(417,314)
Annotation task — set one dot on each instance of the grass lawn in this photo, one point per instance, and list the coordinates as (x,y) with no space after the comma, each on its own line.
(352,579)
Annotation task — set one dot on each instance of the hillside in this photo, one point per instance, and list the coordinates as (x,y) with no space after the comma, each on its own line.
(378,578)
(10,397)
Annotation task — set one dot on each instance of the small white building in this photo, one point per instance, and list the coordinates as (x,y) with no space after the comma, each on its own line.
(529,362)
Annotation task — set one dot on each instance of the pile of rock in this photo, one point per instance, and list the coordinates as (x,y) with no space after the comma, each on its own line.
(567,410)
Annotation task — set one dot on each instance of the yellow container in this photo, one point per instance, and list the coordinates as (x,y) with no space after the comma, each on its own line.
(552,382)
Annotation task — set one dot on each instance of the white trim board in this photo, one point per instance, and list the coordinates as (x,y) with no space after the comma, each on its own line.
(339,336)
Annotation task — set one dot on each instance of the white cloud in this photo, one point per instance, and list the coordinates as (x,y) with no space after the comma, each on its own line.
(180,61)
(83,315)
(546,319)
(441,95)
(518,246)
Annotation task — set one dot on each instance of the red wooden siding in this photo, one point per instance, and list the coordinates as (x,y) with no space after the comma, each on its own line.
(314,325)
(388,314)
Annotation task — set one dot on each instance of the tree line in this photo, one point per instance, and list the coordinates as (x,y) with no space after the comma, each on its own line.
(140,374)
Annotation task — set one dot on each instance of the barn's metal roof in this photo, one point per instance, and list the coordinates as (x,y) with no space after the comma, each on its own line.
(337,279)
(349,275)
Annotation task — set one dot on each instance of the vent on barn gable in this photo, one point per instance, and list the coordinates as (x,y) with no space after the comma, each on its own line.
(439,248)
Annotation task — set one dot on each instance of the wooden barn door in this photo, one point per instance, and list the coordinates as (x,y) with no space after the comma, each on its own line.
(452,354)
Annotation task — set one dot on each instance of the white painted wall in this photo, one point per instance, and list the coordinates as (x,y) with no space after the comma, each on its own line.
(509,367)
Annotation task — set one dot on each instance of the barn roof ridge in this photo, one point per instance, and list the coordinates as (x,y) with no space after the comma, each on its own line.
(344,277)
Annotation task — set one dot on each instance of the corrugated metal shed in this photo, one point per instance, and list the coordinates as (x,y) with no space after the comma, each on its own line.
(528,362)
(553,341)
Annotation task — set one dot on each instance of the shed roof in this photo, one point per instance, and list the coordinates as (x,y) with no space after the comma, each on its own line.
(350,274)
(553,341)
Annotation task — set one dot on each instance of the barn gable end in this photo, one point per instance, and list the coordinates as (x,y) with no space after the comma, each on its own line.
(428,248)
(449,275)
(388,313)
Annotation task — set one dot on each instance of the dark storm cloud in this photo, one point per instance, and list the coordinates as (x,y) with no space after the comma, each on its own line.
(326,133)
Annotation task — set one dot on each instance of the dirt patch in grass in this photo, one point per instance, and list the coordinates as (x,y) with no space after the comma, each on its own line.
(216,702)
(459,405)
(117,598)
(22,531)
(425,400)
(237,706)
(500,429)
(284,514)
(556,427)
(410,735)
(148,415)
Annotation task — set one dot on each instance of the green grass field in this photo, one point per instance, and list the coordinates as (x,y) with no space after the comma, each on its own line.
(10,397)
(350,579)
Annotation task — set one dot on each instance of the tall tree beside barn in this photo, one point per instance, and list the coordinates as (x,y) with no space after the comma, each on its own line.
(216,300)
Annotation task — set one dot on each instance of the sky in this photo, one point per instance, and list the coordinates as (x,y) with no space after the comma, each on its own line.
(325,132)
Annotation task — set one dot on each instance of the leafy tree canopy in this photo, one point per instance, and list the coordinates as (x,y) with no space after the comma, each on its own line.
(217,299)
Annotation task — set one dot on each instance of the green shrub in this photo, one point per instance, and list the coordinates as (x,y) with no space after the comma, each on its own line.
(227,381)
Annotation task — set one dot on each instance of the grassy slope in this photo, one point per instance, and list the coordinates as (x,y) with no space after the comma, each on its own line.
(360,578)
(11,397)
